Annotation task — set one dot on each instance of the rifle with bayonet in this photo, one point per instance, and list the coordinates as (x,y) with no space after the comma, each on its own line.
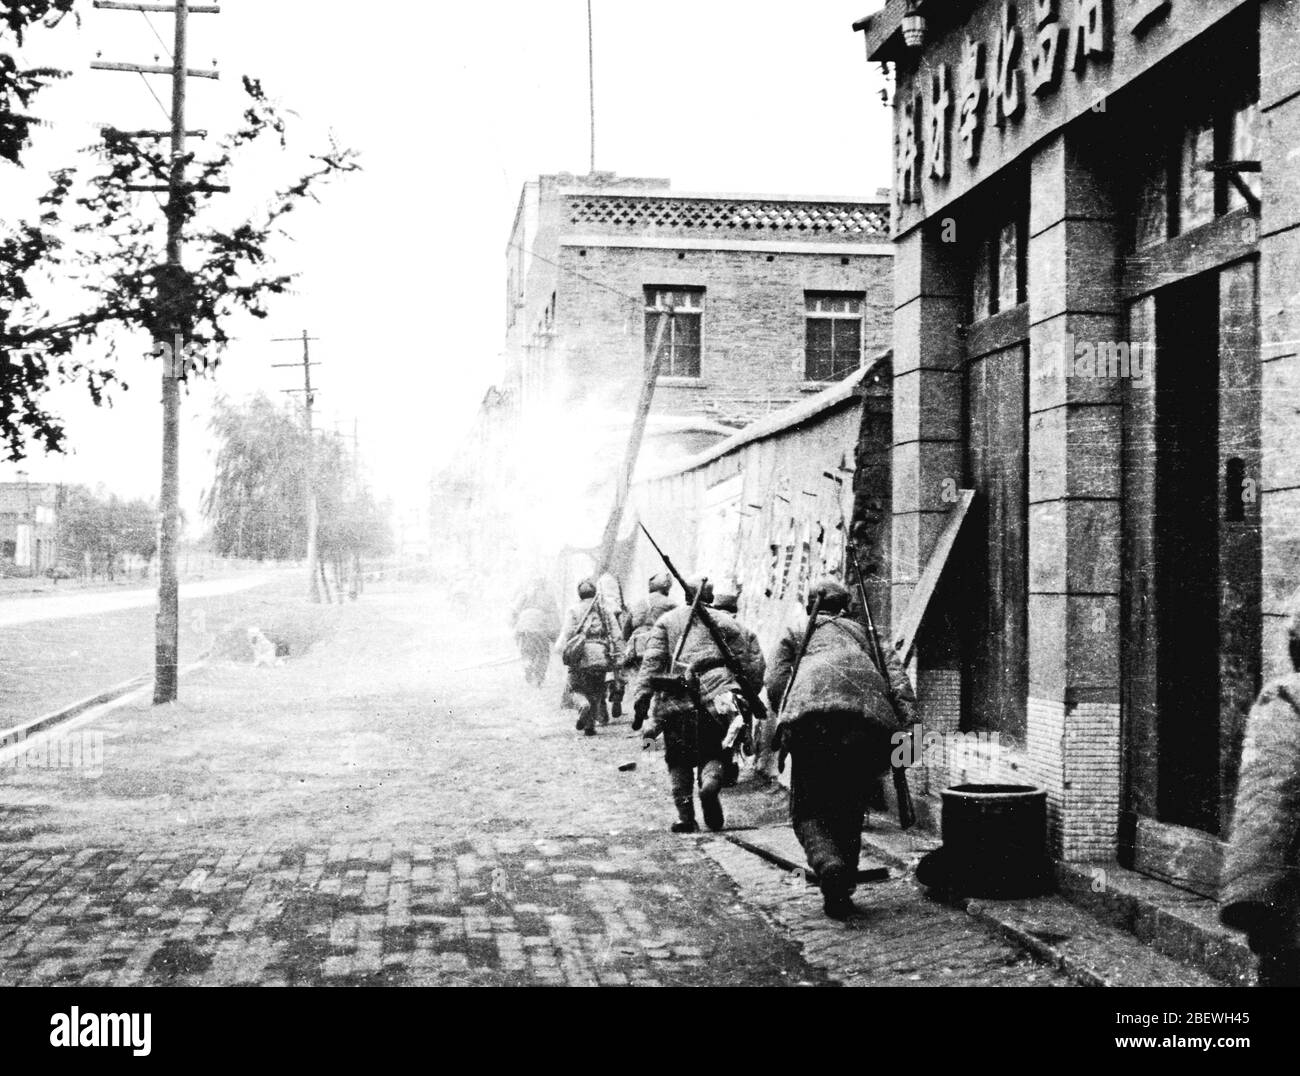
(906,809)
(756,708)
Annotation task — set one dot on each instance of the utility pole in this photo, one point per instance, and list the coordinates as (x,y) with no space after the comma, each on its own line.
(309,398)
(591,82)
(172,325)
(623,480)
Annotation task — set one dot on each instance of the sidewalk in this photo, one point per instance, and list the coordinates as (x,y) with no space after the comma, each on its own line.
(1105,926)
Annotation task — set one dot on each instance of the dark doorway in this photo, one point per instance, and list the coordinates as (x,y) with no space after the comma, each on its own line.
(995,595)
(1186,548)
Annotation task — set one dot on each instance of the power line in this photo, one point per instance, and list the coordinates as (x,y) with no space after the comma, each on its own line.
(145,15)
(573,272)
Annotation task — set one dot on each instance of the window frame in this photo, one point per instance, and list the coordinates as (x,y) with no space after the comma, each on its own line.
(656,302)
(855,299)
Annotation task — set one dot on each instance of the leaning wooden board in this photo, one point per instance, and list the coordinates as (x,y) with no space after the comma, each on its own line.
(905,635)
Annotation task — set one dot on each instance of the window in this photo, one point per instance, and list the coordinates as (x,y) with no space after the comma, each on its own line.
(1209,165)
(680,349)
(998,280)
(834,338)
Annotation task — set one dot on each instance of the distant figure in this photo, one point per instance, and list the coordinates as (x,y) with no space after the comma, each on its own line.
(696,700)
(1261,870)
(264,650)
(588,645)
(536,620)
(641,618)
(837,725)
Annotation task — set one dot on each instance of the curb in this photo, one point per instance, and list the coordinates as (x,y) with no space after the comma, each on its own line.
(1042,951)
(11,736)
(18,733)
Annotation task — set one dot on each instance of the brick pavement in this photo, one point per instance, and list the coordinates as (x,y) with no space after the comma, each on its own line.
(576,911)
(392,808)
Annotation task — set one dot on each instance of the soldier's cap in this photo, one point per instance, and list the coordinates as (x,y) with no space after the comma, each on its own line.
(694,585)
(587,589)
(727,596)
(834,596)
(661,581)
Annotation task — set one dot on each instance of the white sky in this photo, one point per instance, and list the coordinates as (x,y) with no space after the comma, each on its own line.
(453,107)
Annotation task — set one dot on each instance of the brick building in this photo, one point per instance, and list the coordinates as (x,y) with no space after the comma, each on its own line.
(774,297)
(29,527)
(1097,233)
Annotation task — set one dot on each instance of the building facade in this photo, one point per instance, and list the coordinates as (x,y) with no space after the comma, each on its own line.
(1096,222)
(772,298)
(29,527)
(747,304)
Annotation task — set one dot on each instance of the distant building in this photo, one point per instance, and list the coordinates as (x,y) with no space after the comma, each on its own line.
(755,303)
(773,298)
(29,527)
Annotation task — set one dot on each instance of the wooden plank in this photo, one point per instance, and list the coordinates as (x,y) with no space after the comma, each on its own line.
(905,636)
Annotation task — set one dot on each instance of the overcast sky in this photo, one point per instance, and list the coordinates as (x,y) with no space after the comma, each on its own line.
(453,107)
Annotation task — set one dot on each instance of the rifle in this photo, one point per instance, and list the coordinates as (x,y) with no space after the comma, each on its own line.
(906,809)
(755,704)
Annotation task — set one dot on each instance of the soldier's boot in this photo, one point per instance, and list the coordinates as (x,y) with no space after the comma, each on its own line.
(711,778)
(682,781)
(836,887)
(584,722)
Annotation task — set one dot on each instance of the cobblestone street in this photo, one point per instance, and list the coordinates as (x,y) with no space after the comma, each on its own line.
(396,807)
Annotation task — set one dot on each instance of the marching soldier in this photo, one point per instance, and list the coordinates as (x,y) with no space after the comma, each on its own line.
(1261,869)
(837,720)
(697,698)
(586,645)
(536,620)
(641,618)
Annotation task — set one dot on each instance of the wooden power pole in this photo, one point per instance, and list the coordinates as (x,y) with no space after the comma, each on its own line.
(623,480)
(170,329)
(309,401)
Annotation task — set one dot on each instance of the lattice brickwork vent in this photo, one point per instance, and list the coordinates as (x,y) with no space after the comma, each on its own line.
(708,215)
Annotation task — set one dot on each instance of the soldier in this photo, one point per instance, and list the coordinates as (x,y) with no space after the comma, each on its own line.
(536,620)
(837,724)
(586,644)
(1261,869)
(727,598)
(695,712)
(641,618)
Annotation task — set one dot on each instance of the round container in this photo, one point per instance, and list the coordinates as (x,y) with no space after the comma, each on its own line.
(995,840)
